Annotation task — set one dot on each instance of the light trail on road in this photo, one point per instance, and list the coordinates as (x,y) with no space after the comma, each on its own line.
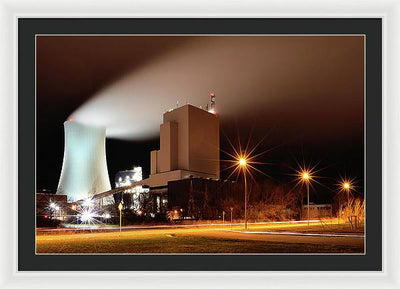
(127,228)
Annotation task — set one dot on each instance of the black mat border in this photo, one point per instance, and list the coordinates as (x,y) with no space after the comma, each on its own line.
(29,27)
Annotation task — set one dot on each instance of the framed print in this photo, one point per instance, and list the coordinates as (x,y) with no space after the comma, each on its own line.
(200,144)
(221,183)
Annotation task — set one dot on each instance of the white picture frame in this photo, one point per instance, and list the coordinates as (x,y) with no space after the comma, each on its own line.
(389,11)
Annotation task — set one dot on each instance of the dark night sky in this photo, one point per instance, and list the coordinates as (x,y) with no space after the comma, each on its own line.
(305,93)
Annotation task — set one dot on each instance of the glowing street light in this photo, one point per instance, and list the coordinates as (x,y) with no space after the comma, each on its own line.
(306,177)
(242,162)
(347,186)
(120,217)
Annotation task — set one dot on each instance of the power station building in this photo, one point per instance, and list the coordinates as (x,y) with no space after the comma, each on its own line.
(189,147)
(189,151)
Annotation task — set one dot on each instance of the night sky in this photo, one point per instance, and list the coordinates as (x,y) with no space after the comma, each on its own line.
(301,96)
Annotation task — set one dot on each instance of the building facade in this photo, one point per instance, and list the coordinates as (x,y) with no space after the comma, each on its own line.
(189,146)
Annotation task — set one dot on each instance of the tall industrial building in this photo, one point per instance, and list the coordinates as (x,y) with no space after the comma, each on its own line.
(84,172)
(189,146)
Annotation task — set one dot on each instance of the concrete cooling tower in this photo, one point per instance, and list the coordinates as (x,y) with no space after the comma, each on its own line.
(84,171)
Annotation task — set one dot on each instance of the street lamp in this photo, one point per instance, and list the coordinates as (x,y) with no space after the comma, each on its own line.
(243,160)
(120,217)
(243,164)
(347,187)
(306,176)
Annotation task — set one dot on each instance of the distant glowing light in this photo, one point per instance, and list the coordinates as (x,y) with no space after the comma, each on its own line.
(242,161)
(87,216)
(53,206)
(87,203)
(346,185)
(106,216)
(307,174)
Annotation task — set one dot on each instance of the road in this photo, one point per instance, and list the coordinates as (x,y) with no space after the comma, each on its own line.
(205,239)
(114,228)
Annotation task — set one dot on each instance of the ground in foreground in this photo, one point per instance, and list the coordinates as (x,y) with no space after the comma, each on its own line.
(195,240)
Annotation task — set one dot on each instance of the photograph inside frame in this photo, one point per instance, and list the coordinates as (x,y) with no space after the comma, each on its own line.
(200,144)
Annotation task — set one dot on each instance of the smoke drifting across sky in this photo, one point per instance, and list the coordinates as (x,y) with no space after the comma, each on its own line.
(309,84)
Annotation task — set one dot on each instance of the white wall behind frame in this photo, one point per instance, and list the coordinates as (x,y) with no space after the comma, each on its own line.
(9,10)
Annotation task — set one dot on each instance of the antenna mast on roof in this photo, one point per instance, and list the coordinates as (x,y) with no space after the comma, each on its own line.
(212,102)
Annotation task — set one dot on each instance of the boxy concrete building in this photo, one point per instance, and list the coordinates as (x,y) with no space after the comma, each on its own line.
(189,147)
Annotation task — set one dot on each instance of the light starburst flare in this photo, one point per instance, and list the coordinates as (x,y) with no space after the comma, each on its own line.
(306,175)
(346,187)
(244,160)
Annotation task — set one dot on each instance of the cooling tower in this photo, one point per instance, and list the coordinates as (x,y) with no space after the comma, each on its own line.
(84,171)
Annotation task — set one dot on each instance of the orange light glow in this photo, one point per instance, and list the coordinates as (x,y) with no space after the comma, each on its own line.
(242,161)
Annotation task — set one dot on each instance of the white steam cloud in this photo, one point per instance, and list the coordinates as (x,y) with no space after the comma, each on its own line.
(246,74)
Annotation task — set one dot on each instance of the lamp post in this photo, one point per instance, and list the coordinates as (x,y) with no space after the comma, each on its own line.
(346,187)
(243,164)
(306,179)
(120,217)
